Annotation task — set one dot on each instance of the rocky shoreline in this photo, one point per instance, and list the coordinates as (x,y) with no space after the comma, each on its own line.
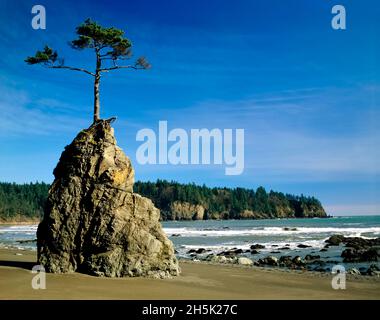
(353,250)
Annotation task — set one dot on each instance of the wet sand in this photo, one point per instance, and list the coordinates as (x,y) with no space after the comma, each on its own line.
(197,281)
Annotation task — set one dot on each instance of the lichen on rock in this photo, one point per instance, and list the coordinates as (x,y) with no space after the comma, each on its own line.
(93,222)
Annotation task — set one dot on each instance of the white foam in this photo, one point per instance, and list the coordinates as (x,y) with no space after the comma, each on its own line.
(26,229)
(314,244)
(269,231)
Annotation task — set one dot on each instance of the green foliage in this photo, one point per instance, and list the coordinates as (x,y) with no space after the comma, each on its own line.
(26,200)
(93,35)
(46,56)
(108,43)
(220,203)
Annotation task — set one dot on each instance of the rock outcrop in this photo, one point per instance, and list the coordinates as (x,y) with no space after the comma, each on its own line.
(93,222)
(186,211)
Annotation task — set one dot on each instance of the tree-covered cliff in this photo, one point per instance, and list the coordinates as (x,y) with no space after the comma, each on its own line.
(189,201)
(177,202)
(22,201)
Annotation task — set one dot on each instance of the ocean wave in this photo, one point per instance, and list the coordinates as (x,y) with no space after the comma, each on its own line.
(269,231)
(19,229)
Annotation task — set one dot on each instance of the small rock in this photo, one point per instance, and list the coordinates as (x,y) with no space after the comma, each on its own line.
(285,261)
(297,260)
(257,246)
(354,255)
(218,259)
(335,240)
(354,271)
(303,246)
(270,260)
(244,261)
(310,257)
(373,270)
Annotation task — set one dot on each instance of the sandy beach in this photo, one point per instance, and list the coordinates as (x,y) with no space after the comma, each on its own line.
(197,281)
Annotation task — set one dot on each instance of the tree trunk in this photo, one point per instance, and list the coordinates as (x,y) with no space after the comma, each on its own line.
(96,88)
(96,98)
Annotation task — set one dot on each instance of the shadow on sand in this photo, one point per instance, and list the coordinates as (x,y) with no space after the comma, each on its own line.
(18,264)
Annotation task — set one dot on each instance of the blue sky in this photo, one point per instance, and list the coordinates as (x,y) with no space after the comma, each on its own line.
(306,95)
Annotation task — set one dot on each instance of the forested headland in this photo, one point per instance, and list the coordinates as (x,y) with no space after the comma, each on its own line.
(176,201)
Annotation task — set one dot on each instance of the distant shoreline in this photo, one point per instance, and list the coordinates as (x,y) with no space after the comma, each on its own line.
(37,221)
(20,222)
(177,201)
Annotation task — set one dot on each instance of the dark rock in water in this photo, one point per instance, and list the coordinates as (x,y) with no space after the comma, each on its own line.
(275,252)
(323,250)
(283,248)
(289,229)
(270,260)
(93,222)
(286,261)
(176,235)
(303,246)
(297,260)
(257,246)
(354,271)
(201,250)
(358,255)
(361,243)
(373,270)
(254,252)
(310,257)
(353,242)
(230,253)
(27,241)
(335,240)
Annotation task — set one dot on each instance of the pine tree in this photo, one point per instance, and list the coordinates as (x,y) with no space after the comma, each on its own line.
(109,45)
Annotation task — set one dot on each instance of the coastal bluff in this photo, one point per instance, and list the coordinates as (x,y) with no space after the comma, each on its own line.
(93,221)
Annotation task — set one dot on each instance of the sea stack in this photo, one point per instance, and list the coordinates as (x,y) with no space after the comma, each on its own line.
(93,222)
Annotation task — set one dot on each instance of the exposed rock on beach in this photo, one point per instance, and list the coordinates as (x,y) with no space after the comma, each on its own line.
(93,222)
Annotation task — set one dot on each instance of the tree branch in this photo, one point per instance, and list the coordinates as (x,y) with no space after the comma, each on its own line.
(120,67)
(72,68)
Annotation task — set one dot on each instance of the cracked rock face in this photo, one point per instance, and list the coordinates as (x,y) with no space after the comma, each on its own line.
(93,221)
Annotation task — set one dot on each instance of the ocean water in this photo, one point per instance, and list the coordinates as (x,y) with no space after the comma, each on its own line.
(217,236)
